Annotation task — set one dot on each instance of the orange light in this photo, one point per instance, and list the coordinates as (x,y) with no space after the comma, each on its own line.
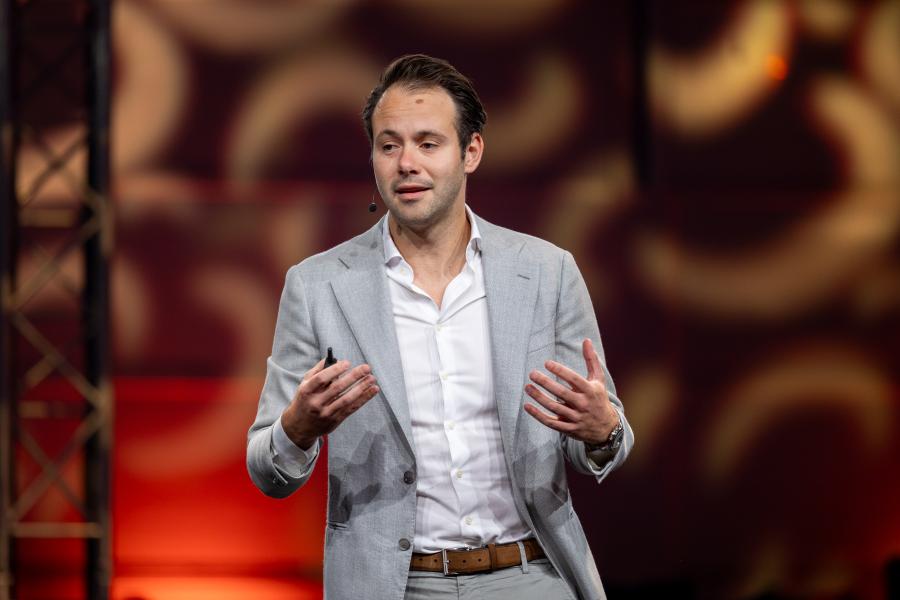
(776,67)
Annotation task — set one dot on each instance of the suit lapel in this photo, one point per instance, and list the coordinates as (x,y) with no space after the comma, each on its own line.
(363,297)
(511,286)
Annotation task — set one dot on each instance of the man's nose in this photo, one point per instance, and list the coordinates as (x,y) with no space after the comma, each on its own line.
(407,163)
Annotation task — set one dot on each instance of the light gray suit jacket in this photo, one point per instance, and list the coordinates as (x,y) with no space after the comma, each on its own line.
(538,309)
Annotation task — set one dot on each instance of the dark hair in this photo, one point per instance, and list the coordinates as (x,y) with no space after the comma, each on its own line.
(417,71)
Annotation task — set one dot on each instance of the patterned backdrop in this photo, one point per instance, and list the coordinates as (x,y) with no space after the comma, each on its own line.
(726,174)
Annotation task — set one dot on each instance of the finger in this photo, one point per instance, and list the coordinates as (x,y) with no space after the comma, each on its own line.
(557,389)
(370,392)
(550,421)
(592,361)
(578,383)
(352,400)
(324,377)
(558,408)
(348,379)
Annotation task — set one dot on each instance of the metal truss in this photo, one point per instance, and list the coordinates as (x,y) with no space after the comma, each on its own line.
(55,396)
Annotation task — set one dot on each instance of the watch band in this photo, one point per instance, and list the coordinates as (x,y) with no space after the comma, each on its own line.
(612,443)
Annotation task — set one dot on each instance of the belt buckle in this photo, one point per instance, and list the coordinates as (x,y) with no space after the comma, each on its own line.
(445,562)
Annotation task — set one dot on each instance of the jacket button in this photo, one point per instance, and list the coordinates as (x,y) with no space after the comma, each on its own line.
(404,544)
(409,477)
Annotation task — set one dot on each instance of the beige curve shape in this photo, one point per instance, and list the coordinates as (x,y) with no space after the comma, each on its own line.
(151,89)
(210,441)
(293,231)
(147,105)
(147,195)
(251,26)
(879,50)
(581,203)
(478,17)
(829,20)
(808,378)
(771,565)
(129,307)
(699,95)
(539,119)
(813,260)
(289,95)
(766,567)
(878,292)
(650,393)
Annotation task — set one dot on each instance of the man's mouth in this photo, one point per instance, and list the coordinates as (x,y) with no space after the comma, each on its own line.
(408,190)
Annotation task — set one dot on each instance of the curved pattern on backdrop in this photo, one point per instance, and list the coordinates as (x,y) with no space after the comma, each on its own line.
(282,100)
(699,96)
(208,442)
(879,50)
(152,86)
(805,380)
(857,225)
(249,26)
(543,115)
(500,17)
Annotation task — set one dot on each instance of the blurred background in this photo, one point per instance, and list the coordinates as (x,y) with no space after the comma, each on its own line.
(726,174)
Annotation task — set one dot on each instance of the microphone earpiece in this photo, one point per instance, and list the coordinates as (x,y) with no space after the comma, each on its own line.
(372,206)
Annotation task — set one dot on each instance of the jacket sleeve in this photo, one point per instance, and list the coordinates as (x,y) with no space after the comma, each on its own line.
(294,352)
(575,321)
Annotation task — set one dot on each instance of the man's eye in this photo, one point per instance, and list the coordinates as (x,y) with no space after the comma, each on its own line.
(429,145)
(388,147)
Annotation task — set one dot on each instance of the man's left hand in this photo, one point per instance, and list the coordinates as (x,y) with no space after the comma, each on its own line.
(582,409)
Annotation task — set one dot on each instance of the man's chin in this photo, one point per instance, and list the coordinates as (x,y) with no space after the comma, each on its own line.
(413,219)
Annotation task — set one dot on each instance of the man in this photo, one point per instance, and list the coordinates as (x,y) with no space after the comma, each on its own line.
(440,484)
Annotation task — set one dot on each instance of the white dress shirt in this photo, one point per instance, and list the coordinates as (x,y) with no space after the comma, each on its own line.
(463,491)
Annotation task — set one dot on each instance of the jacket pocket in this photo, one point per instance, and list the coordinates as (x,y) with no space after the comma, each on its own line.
(541,338)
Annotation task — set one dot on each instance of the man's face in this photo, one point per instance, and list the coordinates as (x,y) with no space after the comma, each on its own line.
(419,167)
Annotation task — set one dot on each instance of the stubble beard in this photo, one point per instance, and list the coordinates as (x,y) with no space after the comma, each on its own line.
(425,217)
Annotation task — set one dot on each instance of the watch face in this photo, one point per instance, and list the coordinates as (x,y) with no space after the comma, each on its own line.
(615,438)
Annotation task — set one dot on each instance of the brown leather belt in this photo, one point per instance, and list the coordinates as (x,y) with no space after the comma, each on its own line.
(475,560)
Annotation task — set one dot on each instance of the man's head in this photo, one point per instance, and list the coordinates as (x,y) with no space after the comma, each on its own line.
(417,72)
(416,120)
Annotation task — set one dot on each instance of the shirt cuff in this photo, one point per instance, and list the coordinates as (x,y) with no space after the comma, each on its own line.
(288,456)
(599,458)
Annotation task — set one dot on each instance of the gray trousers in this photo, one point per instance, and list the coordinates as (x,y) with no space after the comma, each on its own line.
(537,581)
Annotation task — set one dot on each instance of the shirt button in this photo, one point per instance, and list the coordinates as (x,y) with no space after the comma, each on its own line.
(451,425)
(404,544)
(409,477)
(459,474)
(443,376)
(468,520)
(438,328)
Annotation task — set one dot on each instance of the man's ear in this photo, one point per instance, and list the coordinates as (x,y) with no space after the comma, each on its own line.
(472,155)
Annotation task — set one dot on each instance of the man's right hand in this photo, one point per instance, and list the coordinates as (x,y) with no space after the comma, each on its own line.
(326,397)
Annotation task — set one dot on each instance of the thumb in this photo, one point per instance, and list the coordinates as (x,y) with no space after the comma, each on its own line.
(591,361)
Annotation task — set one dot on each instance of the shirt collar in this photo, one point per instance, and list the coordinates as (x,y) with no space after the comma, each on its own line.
(392,255)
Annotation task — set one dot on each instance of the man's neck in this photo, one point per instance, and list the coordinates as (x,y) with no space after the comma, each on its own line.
(438,252)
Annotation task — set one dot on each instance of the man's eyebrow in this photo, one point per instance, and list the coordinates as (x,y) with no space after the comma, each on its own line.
(419,134)
(430,133)
(386,133)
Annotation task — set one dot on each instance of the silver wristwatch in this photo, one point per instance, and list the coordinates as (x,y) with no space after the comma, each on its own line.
(612,443)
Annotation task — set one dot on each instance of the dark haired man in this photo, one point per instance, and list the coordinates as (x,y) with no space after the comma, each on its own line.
(440,486)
